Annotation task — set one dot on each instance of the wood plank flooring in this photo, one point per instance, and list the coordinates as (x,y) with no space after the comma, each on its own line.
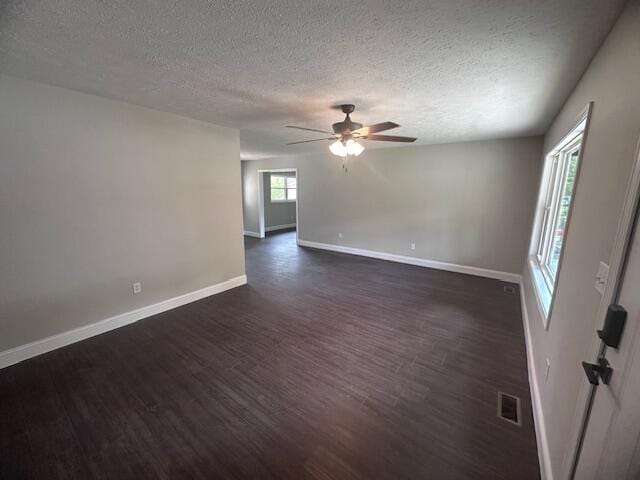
(325,366)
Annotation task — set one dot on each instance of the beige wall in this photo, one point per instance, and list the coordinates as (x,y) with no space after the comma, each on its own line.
(97,194)
(466,203)
(277,213)
(612,82)
(250,192)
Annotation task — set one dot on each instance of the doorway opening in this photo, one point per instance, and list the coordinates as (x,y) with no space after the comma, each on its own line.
(278,193)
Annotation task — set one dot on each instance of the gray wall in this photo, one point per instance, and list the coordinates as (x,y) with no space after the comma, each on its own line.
(278,213)
(466,203)
(96,194)
(612,81)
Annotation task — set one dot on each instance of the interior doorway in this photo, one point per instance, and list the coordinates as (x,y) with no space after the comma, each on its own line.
(278,195)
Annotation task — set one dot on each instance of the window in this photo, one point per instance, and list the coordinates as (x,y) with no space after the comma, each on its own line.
(556,194)
(562,179)
(283,187)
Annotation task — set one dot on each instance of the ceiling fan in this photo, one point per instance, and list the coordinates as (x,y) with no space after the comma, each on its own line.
(348,133)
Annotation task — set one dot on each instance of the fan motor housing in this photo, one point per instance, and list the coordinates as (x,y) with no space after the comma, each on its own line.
(346,126)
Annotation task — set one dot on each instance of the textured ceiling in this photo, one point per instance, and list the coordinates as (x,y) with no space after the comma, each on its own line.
(448,70)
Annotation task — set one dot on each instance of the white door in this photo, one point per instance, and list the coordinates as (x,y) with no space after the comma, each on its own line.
(611,447)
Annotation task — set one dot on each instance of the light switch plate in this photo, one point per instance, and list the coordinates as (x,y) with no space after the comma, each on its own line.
(601,277)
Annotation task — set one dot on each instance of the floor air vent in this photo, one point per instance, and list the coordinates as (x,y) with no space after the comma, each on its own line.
(509,289)
(509,408)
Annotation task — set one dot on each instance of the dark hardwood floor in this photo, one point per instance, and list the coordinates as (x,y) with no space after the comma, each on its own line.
(326,366)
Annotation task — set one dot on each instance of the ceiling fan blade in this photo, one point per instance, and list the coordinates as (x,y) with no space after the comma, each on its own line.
(316,140)
(308,129)
(389,138)
(378,127)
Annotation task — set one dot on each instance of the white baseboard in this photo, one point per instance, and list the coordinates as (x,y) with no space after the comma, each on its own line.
(546,472)
(23,352)
(249,233)
(421,262)
(279,227)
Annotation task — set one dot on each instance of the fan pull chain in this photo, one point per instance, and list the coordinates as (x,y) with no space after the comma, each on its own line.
(344,164)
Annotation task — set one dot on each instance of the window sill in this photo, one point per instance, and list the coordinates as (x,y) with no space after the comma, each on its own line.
(282,201)
(542,293)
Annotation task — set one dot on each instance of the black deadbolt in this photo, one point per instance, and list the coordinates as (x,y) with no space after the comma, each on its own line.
(613,326)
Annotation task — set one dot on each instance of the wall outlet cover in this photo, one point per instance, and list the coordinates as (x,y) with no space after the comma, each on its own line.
(137,288)
(601,277)
(546,370)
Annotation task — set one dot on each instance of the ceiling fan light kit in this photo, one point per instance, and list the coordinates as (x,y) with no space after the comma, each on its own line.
(342,149)
(353,148)
(338,149)
(348,133)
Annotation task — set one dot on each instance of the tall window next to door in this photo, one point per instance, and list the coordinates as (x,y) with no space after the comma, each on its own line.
(283,187)
(556,195)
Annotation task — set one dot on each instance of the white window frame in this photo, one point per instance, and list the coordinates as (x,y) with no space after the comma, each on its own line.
(286,190)
(553,198)
(554,177)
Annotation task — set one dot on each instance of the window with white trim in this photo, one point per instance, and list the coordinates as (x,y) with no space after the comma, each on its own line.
(283,187)
(556,196)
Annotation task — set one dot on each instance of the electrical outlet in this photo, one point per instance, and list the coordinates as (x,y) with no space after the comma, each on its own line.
(413,246)
(601,277)
(546,370)
(137,288)
(340,235)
